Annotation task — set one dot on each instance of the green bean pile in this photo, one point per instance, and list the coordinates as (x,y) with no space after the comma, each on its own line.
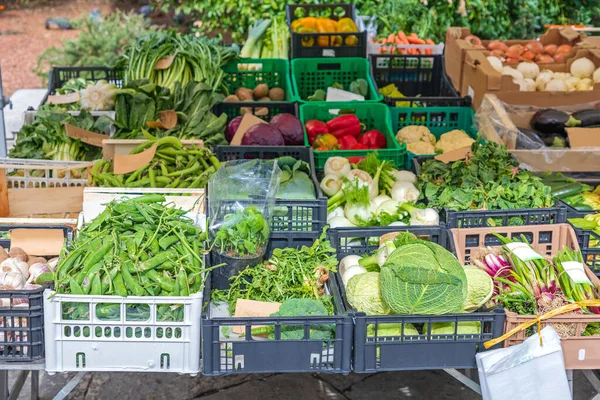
(173,166)
(137,247)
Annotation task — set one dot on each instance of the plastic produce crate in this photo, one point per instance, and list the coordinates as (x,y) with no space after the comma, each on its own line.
(223,355)
(374,353)
(310,74)
(138,338)
(374,116)
(249,72)
(589,244)
(290,217)
(22,313)
(263,110)
(420,78)
(580,352)
(439,120)
(335,12)
(556,214)
(60,75)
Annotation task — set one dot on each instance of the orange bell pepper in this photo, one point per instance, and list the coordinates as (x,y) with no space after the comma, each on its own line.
(310,22)
(307,41)
(326,25)
(346,25)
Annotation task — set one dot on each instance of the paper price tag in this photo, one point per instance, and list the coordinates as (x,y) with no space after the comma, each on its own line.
(164,62)
(523,251)
(334,94)
(95,139)
(576,272)
(63,99)
(328,53)
(38,242)
(126,163)
(253,308)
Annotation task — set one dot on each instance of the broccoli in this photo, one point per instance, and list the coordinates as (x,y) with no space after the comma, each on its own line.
(301,308)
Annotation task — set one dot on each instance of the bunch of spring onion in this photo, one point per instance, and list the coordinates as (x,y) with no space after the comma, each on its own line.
(372,193)
(267,38)
(533,286)
(195,59)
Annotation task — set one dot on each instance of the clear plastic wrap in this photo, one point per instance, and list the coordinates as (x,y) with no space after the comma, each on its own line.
(240,201)
(509,124)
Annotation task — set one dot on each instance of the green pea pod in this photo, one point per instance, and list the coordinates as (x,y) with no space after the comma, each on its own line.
(74,287)
(164,282)
(96,285)
(120,289)
(87,281)
(156,260)
(131,284)
(182,282)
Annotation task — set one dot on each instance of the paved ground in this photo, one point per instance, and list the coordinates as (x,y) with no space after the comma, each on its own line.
(409,385)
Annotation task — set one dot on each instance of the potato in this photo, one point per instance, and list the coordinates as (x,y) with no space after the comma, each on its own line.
(34,260)
(18,253)
(230,98)
(276,94)
(264,99)
(258,111)
(244,94)
(260,91)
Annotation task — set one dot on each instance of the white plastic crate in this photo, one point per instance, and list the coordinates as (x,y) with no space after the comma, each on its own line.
(121,343)
(29,174)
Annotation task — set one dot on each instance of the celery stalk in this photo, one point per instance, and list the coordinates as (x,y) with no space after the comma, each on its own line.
(255,33)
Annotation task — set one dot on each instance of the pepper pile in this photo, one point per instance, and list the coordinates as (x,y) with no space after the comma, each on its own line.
(343,133)
(173,166)
(326,25)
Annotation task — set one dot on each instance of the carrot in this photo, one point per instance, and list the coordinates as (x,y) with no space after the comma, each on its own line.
(428,51)
(429,41)
(383,41)
(413,34)
(415,40)
(391,38)
(402,37)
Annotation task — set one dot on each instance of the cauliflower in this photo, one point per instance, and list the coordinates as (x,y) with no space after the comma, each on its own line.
(415,133)
(453,140)
(420,147)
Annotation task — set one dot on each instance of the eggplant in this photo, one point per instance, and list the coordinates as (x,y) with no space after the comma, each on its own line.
(529,140)
(552,121)
(587,117)
(556,140)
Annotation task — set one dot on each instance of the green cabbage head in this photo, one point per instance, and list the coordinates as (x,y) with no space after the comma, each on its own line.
(391,330)
(480,288)
(364,295)
(421,277)
(447,328)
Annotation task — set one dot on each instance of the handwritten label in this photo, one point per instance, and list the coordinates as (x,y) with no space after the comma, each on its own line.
(95,139)
(38,242)
(252,308)
(576,272)
(583,137)
(334,94)
(164,62)
(63,99)
(523,251)
(126,163)
(248,121)
(454,155)
(168,120)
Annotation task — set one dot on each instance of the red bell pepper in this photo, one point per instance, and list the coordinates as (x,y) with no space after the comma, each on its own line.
(346,142)
(373,139)
(355,160)
(359,146)
(314,128)
(344,125)
(325,142)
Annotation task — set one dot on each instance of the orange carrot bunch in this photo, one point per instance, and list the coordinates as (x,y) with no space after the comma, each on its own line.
(389,44)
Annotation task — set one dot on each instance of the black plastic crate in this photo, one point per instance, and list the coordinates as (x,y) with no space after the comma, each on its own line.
(264,110)
(222,356)
(588,178)
(336,42)
(421,78)
(482,218)
(22,313)
(290,217)
(60,75)
(373,353)
(590,253)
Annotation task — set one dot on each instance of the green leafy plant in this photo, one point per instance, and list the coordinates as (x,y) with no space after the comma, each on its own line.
(243,234)
(100,43)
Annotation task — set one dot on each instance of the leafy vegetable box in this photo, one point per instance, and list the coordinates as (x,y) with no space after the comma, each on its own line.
(579,351)
(481,218)
(376,350)
(225,352)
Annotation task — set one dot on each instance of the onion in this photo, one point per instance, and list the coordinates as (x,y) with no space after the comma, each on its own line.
(550,49)
(495,63)
(528,55)
(497,45)
(512,72)
(497,53)
(528,70)
(559,57)
(564,48)
(556,85)
(535,47)
(514,51)
(473,40)
(544,59)
(582,68)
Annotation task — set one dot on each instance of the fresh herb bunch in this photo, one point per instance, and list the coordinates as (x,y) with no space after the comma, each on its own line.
(489,179)
(195,59)
(289,274)
(100,42)
(46,137)
(243,234)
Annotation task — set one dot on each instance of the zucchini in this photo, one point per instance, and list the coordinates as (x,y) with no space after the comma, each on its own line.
(567,190)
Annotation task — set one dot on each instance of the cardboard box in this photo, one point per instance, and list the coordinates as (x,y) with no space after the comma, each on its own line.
(457,48)
(498,124)
(479,78)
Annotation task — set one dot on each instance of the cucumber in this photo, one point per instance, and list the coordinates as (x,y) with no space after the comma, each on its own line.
(567,190)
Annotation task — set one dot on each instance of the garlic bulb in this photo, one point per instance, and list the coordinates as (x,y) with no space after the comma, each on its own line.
(11,281)
(36,270)
(15,265)
(99,96)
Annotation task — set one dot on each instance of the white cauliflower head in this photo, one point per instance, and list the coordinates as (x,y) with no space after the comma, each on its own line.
(420,147)
(415,133)
(99,96)
(453,140)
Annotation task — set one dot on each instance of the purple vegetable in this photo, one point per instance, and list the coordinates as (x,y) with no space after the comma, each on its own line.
(263,135)
(290,128)
(232,127)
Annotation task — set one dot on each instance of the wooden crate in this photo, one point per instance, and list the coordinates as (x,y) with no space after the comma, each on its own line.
(110,147)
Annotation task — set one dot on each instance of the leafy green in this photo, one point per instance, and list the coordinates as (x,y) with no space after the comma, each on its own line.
(243,234)
(421,277)
(295,182)
(489,179)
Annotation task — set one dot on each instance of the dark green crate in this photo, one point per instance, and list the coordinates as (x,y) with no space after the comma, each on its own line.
(373,115)
(439,120)
(310,74)
(275,72)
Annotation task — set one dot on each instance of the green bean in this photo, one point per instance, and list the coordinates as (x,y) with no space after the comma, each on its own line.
(120,289)
(186,171)
(135,174)
(152,176)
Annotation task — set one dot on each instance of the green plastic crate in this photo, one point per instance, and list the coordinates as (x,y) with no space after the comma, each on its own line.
(373,115)
(275,72)
(310,74)
(439,120)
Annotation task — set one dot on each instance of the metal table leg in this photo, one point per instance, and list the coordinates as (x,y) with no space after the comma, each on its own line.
(16,389)
(3,385)
(70,386)
(35,385)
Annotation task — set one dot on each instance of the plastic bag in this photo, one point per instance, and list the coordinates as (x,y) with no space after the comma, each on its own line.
(241,197)
(526,371)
